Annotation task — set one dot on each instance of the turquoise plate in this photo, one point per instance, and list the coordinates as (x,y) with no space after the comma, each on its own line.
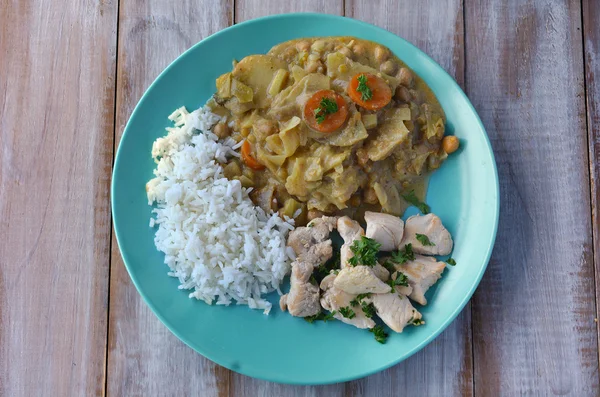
(279,347)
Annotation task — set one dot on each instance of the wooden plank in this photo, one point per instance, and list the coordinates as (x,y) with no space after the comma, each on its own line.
(56,140)
(533,315)
(444,368)
(244,10)
(591,43)
(145,359)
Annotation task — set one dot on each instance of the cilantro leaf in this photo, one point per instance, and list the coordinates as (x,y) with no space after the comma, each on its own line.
(423,239)
(411,198)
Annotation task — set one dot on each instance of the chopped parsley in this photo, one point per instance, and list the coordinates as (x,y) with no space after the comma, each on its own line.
(347,312)
(423,239)
(411,198)
(313,280)
(400,280)
(326,106)
(368,309)
(451,262)
(401,257)
(325,269)
(362,88)
(379,333)
(356,301)
(322,316)
(416,321)
(365,252)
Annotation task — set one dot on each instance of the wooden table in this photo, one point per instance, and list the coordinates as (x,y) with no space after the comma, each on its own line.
(72,323)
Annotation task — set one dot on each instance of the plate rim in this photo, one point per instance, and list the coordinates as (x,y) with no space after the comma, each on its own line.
(283,379)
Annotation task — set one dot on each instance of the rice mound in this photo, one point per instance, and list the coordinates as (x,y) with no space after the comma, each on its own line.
(215,241)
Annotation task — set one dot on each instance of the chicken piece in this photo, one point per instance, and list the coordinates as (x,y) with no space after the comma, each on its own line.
(395,310)
(431,226)
(333,299)
(303,298)
(302,238)
(349,231)
(422,273)
(360,280)
(381,272)
(386,229)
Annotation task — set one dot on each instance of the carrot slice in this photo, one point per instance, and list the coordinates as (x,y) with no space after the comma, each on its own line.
(248,159)
(323,118)
(380,91)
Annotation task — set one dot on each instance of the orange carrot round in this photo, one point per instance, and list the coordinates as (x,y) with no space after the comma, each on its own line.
(325,111)
(248,159)
(369,91)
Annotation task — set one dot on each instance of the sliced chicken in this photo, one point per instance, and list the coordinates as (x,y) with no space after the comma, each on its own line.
(431,226)
(381,272)
(386,229)
(360,280)
(395,310)
(312,247)
(333,299)
(422,273)
(302,238)
(349,231)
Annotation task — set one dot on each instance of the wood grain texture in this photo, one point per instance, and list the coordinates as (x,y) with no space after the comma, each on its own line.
(145,359)
(591,44)
(533,314)
(56,140)
(445,367)
(250,9)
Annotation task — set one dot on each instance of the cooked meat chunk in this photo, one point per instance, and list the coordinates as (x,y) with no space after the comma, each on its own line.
(431,226)
(386,229)
(360,280)
(422,273)
(381,272)
(333,299)
(395,310)
(302,238)
(349,231)
(283,302)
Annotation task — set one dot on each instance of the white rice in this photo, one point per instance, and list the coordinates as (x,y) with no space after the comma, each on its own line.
(216,242)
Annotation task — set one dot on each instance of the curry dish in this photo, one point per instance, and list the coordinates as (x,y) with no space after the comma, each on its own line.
(330,125)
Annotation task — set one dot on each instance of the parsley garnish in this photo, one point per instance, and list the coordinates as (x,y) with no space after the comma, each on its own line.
(411,198)
(368,309)
(320,316)
(347,312)
(326,106)
(365,92)
(379,333)
(416,321)
(401,257)
(451,262)
(400,280)
(365,252)
(423,239)
(359,298)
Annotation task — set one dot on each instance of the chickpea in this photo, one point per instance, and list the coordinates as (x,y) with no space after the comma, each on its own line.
(405,76)
(312,214)
(450,144)
(222,130)
(318,45)
(303,46)
(369,196)
(388,67)
(402,94)
(347,52)
(313,66)
(263,128)
(359,50)
(381,54)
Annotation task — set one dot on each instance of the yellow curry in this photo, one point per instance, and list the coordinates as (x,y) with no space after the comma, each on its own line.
(330,125)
